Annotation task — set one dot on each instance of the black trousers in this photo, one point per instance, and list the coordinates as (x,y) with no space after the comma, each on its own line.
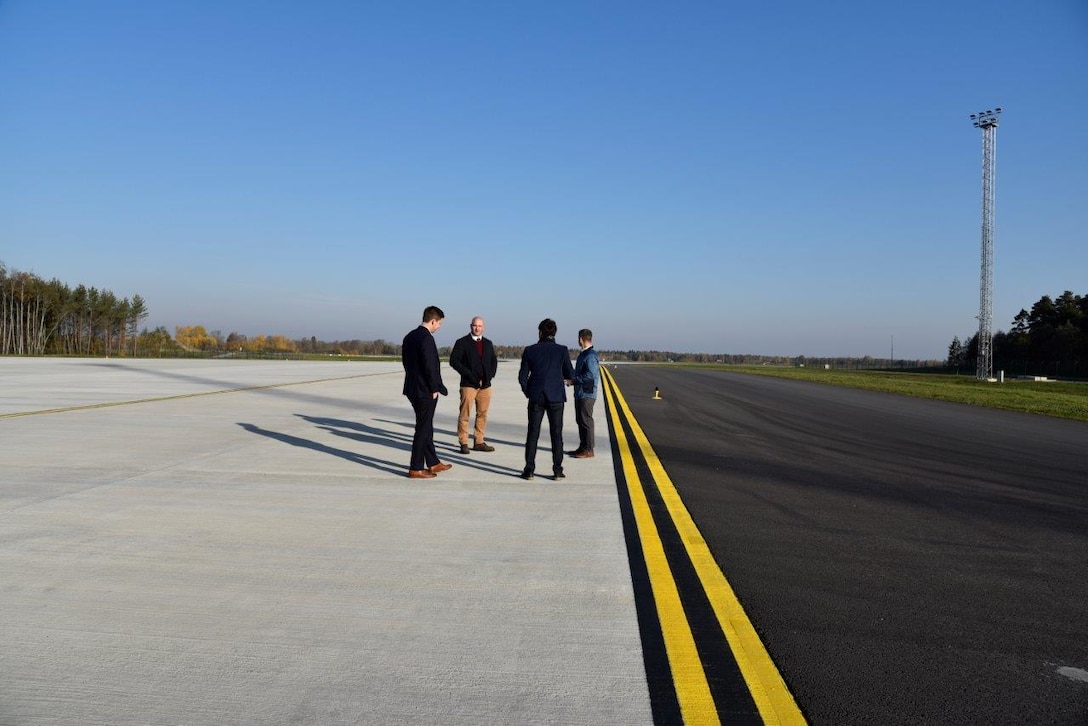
(583,416)
(423,454)
(555,427)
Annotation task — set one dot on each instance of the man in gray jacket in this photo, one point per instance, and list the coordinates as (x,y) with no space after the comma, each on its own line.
(587,382)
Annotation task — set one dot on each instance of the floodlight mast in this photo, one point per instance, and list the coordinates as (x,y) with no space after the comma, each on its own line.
(987,121)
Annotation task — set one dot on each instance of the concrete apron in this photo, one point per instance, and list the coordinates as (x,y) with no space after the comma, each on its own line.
(232,550)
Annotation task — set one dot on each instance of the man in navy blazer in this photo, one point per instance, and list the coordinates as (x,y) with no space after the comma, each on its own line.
(422,386)
(544,374)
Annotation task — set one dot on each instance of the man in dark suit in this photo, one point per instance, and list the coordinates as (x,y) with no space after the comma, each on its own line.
(545,371)
(473,356)
(422,386)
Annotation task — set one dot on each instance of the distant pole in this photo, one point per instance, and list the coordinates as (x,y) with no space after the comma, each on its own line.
(987,121)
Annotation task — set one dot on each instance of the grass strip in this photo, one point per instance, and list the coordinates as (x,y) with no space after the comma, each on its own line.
(1061,399)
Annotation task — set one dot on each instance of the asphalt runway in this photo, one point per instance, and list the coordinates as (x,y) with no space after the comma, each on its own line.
(905,561)
(236,542)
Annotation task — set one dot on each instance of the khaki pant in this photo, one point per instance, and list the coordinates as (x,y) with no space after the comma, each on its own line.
(481,397)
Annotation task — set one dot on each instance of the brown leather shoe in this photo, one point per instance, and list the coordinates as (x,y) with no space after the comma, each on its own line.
(440,467)
(420,474)
(583,455)
(483,447)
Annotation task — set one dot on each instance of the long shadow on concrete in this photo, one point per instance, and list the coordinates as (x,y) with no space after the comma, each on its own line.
(370,435)
(365,434)
(453,433)
(370,461)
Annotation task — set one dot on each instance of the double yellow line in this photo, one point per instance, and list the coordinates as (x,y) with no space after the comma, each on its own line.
(773,700)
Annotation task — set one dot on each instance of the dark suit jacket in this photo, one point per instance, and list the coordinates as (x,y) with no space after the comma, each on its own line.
(466,360)
(422,371)
(544,367)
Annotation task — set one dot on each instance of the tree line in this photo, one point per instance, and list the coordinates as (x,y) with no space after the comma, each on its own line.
(1049,340)
(196,339)
(49,317)
(40,317)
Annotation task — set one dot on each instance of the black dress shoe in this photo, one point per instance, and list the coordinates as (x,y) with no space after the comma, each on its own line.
(559,475)
(574,453)
(527,475)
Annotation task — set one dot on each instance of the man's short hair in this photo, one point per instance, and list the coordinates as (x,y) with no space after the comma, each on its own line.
(585,334)
(433,312)
(547,328)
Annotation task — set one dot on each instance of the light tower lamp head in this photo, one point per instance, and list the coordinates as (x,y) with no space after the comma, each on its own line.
(985,119)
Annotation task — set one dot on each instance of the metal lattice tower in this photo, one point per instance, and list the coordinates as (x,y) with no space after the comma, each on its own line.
(987,121)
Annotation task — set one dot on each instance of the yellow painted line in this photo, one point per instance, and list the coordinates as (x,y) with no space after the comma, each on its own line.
(689,678)
(773,699)
(109,404)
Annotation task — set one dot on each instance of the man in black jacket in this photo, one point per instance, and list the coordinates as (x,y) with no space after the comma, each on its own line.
(544,374)
(473,356)
(422,386)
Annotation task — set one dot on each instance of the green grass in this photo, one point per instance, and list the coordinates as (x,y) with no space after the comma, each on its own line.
(1049,398)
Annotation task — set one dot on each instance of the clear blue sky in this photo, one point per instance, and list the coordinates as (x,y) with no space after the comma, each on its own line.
(788,177)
